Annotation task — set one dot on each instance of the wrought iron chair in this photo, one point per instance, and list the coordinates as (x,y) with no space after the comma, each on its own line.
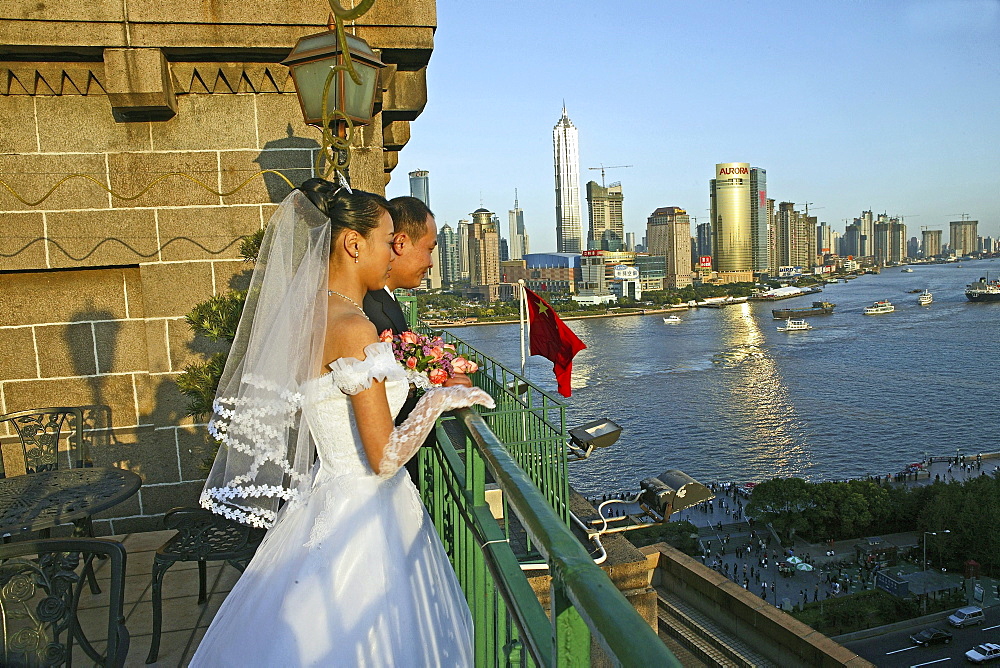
(40,586)
(40,431)
(202,536)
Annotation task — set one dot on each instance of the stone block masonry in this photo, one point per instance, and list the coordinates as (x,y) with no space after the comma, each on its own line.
(95,285)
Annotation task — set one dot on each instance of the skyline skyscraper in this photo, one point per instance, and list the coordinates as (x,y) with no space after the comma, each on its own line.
(732,240)
(566,158)
(463,249)
(448,249)
(759,220)
(484,249)
(668,230)
(518,242)
(964,237)
(931,242)
(420,186)
(604,213)
(795,235)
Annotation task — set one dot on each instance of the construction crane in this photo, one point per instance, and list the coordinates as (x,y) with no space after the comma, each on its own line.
(814,208)
(964,216)
(602,168)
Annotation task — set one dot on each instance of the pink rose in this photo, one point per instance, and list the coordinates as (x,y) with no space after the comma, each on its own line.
(437,376)
(436,352)
(411,362)
(385,336)
(448,346)
(462,365)
(409,337)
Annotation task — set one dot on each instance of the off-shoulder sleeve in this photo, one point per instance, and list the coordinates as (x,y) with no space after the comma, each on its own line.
(352,375)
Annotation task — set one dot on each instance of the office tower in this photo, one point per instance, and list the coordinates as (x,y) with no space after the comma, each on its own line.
(515,226)
(668,230)
(420,186)
(484,249)
(795,237)
(964,237)
(704,237)
(463,250)
(730,199)
(604,213)
(866,240)
(448,245)
(630,241)
(504,249)
(759,220)
(824,239)
(897,241)
(566,155)
(913,247)
(772,239)
(931,242)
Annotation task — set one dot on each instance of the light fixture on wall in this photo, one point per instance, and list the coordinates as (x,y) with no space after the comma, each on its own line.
(319,64)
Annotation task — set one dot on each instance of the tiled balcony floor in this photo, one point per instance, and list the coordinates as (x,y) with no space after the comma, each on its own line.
(184,621)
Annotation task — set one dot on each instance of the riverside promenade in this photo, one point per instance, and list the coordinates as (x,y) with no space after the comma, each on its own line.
(749,554)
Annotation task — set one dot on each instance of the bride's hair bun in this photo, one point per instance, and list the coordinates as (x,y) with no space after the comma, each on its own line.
(358,210)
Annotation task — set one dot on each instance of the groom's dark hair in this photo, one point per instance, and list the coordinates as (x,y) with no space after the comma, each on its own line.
(409,215)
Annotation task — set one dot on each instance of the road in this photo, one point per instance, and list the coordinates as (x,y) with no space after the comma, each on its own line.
(896,649)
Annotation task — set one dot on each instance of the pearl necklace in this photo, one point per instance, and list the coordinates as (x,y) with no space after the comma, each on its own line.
(334,292)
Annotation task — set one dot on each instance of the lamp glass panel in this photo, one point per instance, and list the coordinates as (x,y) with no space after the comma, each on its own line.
(358,102)
(310,78)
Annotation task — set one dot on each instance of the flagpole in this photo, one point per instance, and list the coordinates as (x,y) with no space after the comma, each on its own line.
(523,315)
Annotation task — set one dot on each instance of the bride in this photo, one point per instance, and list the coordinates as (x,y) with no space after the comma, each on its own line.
(351,571)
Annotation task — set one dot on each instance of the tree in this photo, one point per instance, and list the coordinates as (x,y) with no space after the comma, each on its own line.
(781,503)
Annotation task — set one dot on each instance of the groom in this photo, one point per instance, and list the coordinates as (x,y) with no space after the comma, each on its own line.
(414,241)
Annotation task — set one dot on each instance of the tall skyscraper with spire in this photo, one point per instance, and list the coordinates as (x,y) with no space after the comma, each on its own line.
(518,237)
(566,155)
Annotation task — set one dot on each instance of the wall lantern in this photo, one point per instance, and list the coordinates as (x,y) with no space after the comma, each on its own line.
(317,57)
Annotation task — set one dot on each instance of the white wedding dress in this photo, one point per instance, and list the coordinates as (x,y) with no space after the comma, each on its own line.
(354,575)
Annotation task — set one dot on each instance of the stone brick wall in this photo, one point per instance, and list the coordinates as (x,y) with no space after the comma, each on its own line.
(94,286)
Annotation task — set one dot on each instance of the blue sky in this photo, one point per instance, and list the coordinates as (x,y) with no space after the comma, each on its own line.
(893,106)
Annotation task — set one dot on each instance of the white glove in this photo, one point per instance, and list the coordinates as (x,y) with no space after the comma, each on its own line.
(406,439)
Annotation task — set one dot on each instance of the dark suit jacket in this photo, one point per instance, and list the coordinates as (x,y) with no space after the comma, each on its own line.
(384,312)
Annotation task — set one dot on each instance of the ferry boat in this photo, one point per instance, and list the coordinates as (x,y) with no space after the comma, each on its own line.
(795,326)
(925,298)
(983,290)
(671,319)
(818,308)
(884,306)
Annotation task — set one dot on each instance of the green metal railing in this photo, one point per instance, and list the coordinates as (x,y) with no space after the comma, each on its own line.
(511,626)
(496,488)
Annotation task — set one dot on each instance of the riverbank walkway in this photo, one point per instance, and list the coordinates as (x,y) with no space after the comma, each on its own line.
(749,554)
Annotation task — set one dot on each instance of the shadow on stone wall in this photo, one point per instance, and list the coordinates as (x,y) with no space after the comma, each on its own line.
(292,156)
(90,359)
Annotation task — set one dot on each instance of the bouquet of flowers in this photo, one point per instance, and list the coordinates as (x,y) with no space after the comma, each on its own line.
(428,360)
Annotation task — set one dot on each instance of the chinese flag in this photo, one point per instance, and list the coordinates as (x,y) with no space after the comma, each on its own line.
(552,339)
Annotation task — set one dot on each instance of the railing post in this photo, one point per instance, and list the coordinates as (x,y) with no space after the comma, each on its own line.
(570,635)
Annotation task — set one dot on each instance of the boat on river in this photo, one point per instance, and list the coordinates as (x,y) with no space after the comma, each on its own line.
(983,290)
(925,298)
(818,308)
(883,306)
(907,271)
(795,326)
(671,319)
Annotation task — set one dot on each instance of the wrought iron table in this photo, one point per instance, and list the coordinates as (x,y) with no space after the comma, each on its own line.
(38,501)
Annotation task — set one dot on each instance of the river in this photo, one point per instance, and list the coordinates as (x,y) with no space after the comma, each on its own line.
(724,396)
